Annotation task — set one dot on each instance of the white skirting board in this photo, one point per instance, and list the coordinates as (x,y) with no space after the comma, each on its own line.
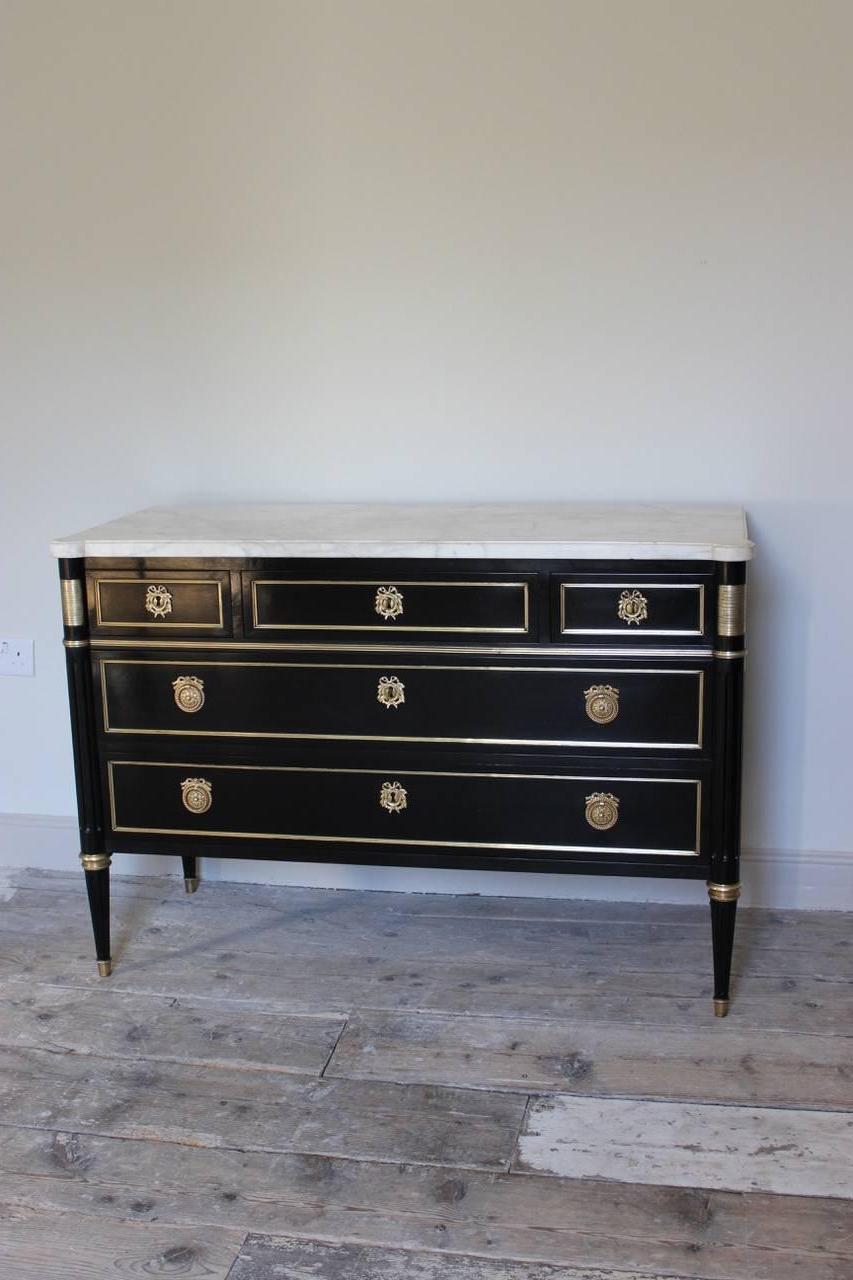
(782,878)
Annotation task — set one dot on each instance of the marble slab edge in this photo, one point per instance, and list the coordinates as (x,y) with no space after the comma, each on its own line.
(71,549)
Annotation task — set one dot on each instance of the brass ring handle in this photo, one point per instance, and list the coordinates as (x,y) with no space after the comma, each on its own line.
(391,692)
(158,601)
(189,693)
(389,603)
(602,810)
(197,794)
(602,703)
(633,607)
(393,797)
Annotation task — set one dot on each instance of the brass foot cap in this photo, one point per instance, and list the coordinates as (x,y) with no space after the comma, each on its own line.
(721,1008)
(105,968)
(191,884)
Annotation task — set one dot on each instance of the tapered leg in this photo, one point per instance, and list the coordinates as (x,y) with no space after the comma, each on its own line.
(723,910)
(190,874)
(97,869)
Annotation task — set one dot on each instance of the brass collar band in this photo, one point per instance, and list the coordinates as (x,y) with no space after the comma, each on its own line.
(723,892)
(73,612)
(95,861)
(731,609)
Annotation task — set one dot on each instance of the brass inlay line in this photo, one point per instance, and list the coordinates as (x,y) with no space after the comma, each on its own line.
(73,608)
(621,631)
(370,737)
(731,609)
(430,773)
(345,582)
(158,624)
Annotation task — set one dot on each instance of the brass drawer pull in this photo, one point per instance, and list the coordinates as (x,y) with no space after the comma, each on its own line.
(389,603)
(391,692)
(158,601)
(197,794)
(633,607)
(602,810)
(393,797)
(189,693)
(602,703)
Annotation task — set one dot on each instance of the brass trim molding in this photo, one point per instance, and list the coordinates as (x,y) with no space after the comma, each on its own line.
(524,587)
(724,892)
(392,694)
(95,861)
(73,607)
(76,644)
(391,840)
(731,609)
(629,588)
(730,653)
(458,650)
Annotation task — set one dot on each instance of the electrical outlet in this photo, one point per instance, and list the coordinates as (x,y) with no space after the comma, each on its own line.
(16,656)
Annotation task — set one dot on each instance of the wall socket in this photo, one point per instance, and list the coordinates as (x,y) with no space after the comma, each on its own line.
(16,656)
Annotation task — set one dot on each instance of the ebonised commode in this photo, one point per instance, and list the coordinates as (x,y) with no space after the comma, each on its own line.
(518,688)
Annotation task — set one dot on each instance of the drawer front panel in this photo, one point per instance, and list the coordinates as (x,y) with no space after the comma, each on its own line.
(534,813)
(164,603)
(550,706)
(384,608)
(631,608)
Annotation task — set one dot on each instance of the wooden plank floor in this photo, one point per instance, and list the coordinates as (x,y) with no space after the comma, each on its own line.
(370,1086)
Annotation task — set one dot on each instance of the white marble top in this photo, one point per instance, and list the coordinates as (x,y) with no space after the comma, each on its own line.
(548,530)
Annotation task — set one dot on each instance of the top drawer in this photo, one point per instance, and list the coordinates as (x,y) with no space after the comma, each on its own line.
(630,607)
(169,602)
(465,608)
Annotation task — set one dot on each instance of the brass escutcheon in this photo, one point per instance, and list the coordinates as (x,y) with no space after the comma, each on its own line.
(393,797)
(389,603)
(633,607)
(158,601)
(602,810)
(189,693)
(391,692)
(602,703)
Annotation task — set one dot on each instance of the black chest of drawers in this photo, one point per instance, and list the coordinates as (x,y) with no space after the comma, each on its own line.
(559,715)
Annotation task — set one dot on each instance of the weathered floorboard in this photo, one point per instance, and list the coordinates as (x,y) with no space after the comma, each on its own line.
(273,1258)
(40,1246)
(717,1064)
(258,1110)
(119,1025)
(682,1144)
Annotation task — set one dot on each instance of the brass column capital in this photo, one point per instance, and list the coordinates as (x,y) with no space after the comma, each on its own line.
(723,892)
(95,861)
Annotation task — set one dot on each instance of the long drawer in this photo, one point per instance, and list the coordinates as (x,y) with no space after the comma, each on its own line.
(535,813)
(589,706)
(464,607)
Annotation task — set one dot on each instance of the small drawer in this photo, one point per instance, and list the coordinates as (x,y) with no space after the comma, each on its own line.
(631,608)
(386,607)
(164,602)
(552,706)
(505,814)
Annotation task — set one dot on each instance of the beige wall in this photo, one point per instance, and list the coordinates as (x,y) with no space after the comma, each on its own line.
(438,249)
